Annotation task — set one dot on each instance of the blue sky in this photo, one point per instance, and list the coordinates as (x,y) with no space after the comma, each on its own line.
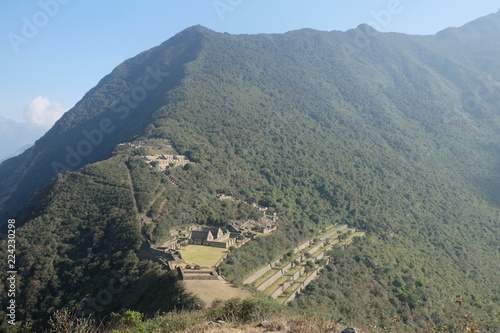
(53,51)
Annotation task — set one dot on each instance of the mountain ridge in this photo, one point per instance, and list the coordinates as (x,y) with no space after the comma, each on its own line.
(8,205)
(113,87)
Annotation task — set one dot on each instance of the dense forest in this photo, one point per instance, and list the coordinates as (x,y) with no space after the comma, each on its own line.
(397,136)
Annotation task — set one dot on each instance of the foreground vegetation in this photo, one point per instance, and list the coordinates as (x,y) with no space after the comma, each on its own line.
(249,315)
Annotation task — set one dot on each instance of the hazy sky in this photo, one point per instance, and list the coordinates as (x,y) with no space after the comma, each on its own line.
(53,51)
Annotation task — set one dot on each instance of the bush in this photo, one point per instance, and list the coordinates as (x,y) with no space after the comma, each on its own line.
(128,321)
(243,311)
(309,267)
(188,166)
(312,287)
(132,318)
(64,321)
(321,262)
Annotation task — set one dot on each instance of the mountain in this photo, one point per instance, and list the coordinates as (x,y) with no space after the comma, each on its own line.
(16,138)
(393,134)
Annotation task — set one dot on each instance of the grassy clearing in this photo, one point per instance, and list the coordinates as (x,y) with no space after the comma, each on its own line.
(204,256)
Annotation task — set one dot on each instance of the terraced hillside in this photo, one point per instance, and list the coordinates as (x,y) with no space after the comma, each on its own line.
(285,278)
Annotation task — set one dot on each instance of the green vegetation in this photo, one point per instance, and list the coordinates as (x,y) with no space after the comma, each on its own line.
(307,124)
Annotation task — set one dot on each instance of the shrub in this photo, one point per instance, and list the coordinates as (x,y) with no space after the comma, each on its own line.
(133,318)
(64,321)
(243,311)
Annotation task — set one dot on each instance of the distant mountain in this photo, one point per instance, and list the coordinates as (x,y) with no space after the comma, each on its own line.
(15,137)
(17,152)
(397,135)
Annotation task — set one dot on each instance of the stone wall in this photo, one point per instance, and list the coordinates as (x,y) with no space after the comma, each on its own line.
(266,284)
(301,247)
(287,268)
(275,263)
(311,277)
(342,228)
(316,248)
(302,286)
(279,273)
(328,235)
(223,245)
(277,292)
(257,274)
(298,273)
(217,264)
(197,275)
(293,295)
(201,277)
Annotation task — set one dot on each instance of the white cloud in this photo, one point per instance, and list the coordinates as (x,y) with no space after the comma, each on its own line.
(42,113)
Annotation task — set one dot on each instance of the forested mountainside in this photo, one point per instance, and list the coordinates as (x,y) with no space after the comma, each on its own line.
(397,135)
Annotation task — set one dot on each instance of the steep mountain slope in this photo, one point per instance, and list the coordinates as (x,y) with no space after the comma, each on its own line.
(115,111)
(476,42)
(390,133)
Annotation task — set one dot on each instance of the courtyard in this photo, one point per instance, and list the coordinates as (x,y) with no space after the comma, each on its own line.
(205,256)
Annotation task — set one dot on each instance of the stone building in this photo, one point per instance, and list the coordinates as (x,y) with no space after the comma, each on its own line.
(211,237)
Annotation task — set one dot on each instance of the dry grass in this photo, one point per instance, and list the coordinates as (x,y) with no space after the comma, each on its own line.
(210,290)
(196,322)
(285,324)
